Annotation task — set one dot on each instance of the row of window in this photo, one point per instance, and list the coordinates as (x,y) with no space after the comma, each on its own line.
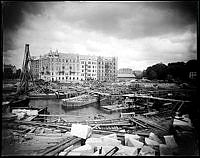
(90,71)
(89,66)
(63,60)
(59,78)
(88,74)
(89,62)
(70,78)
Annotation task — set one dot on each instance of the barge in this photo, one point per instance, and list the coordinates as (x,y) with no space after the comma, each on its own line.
(79,101)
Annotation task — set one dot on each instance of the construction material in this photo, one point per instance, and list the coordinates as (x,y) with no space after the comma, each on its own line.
(82,131)
(61,148)
(170,141)
(112,151)
(151,124)
(136,122)
(55,149)
(147,151)
(126,151)
(154,98)
(131,142)
(82,150)
(66,151)
(165,150)
(131,136)
(154,137)
(113,136)
(151,142)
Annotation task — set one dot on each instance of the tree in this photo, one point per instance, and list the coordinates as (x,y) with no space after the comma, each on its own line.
(157,71)
(177,70)
(151,74)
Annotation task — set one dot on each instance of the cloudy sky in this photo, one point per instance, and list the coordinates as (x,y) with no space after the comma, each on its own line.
(140,34)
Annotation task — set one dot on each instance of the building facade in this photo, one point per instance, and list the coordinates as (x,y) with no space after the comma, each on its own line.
(88,66)
(35,67)
(107,68)
(56,66)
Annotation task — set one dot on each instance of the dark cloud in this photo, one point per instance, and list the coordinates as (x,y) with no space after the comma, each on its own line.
(188,8)
(131,19)
(13,12)
(46,24)
(13,18)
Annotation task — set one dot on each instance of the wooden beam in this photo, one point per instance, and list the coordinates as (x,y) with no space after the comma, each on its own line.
(61,147)
(138,123)
(155,98)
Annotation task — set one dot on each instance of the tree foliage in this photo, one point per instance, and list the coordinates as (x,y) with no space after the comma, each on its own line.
(157,71)
(173,71)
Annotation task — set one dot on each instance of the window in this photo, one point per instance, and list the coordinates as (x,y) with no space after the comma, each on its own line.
(82,62)
(59,78)
(89,66)
(89,62)
(73,78)
(82,70)
(52,73)
(66,78)
(63,78)
(82,66)
(66,61)
(77,78)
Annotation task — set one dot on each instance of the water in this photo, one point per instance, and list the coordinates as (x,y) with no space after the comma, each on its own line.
(85,113)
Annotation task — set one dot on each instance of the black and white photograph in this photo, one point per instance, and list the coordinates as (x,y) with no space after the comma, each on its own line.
(99,78)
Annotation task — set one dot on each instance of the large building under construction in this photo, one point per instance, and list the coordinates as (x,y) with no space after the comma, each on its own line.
(56,66)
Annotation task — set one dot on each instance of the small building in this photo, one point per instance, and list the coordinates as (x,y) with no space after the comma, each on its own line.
(193,75)
(11,67)
(125,74)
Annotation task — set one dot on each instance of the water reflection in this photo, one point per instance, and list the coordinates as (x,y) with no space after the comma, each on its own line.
(85,113)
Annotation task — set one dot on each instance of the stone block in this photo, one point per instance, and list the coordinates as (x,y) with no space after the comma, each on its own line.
(126,151)
(151,142)
(82,131)
(170,141)
(147,151)
(154,137)
(131,142)
(165,150)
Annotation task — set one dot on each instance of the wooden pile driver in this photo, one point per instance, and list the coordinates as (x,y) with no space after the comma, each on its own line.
(26,73)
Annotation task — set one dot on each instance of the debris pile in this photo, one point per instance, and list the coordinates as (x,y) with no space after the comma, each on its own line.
(128,145)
